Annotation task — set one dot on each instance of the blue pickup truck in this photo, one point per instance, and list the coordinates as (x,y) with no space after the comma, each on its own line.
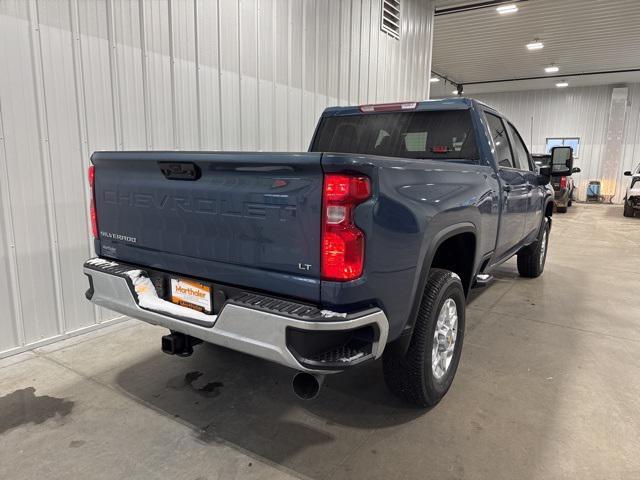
(366,246)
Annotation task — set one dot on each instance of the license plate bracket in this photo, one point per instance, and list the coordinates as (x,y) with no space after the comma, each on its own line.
(191,294)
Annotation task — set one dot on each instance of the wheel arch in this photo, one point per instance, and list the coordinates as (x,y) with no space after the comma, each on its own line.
(548,210)
(460,232)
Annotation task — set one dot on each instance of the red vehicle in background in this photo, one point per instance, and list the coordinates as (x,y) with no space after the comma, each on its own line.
(563,186)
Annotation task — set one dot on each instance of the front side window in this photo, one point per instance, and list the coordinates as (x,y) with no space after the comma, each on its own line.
(498,133)
(437,135)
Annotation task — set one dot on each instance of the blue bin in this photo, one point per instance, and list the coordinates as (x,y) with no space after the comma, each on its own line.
(593,190)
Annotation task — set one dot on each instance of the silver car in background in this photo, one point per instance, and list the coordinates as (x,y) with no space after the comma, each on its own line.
(632,195)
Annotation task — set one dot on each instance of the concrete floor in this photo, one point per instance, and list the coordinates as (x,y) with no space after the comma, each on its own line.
(548,388)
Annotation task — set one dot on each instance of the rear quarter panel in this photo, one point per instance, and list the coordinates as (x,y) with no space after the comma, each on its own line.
(415,204)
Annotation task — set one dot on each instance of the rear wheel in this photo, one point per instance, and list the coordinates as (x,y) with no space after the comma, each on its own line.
(531,259)
(562,209)
(424,374)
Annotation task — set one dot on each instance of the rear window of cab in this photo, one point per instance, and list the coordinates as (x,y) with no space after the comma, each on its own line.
(437,135)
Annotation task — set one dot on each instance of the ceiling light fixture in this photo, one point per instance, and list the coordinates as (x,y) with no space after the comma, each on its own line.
(535,45)
(551,69)
(506,9)
(562,84)
(434,79)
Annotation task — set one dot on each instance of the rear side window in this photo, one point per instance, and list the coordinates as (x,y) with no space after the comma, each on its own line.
(498,132)
(439,135)
(522,156)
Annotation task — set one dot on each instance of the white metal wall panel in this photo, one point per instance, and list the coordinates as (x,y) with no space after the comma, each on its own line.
(572,112)
(9,317)
(207,24)
(155,21)
(97,108)
(65,159)
(28,172)
(128,66)
(86,75)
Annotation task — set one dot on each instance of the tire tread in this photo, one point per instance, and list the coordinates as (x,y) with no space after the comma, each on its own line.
(529,257)
(628,210)
(404,375)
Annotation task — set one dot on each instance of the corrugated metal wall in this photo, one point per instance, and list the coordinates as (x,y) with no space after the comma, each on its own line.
(574,112)
(85,75)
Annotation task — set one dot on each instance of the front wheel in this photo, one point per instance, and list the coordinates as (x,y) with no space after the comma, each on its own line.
(531,259)
(424,374)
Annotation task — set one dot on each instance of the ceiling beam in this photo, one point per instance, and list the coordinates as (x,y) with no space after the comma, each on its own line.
(445,78)
(473,6)
(602,72)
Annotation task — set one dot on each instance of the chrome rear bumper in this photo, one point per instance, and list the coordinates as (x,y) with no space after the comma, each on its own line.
(249,330)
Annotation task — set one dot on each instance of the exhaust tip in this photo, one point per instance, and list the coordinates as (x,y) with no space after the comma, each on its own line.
(306,386)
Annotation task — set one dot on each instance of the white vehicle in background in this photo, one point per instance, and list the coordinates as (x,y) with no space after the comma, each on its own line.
(632,197)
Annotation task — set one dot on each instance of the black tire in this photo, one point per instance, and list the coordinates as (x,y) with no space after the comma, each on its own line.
(628,210)
(411,376)
(562,209)
(531,259)
(569,203)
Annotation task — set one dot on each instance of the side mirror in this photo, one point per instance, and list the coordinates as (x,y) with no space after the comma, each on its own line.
(575,170)
(561,161)
(628,173)
(544,175)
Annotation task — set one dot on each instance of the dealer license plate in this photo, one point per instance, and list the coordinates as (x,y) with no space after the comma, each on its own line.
(191,294)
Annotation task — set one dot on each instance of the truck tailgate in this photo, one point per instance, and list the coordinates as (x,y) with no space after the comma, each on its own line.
(250,219)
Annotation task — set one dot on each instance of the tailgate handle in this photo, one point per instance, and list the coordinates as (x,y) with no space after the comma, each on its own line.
(180,170)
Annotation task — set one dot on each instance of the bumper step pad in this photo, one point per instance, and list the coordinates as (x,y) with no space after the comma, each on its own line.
(342,354)
(270,304)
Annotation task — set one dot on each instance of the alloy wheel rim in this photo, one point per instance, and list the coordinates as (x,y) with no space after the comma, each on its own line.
(444,338)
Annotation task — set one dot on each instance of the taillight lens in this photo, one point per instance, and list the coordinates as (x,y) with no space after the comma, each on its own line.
(92,205)
(563,182)
(342,240)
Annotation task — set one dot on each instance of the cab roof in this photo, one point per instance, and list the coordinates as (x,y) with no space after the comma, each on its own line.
(455,103)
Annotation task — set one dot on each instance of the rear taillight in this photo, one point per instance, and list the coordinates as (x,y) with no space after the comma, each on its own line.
(342,240)
(563,182)
(92,204)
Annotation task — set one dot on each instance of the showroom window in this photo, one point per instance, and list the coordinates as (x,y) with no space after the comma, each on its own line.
(390,18)
(573,142)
